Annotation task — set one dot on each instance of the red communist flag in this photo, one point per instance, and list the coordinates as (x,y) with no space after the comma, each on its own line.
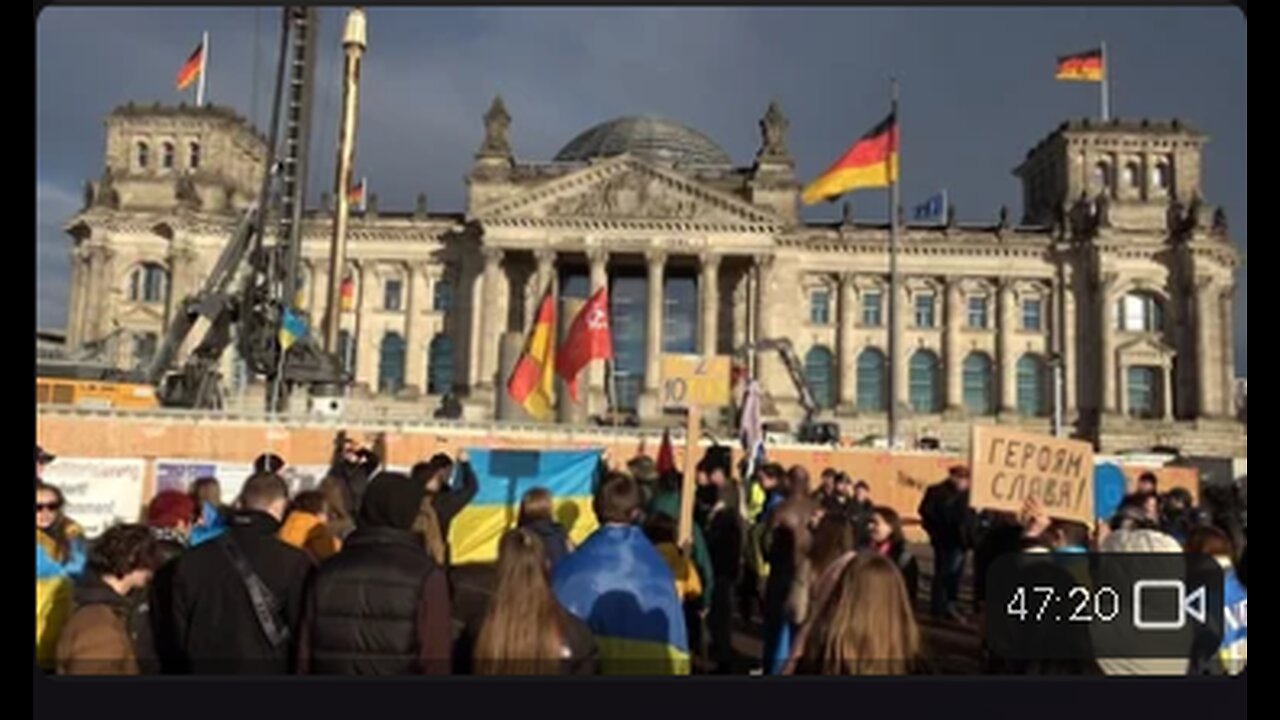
(589,339)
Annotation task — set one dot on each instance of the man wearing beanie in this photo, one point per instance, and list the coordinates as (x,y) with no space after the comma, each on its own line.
(381,606)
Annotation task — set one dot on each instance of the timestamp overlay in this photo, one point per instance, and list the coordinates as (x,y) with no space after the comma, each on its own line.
(1059,606)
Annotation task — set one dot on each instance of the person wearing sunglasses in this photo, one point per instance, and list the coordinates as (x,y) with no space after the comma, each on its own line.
(60,559)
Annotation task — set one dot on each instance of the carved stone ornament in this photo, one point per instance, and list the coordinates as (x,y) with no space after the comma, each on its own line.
(846,214)
(1220,220)
(773,134)
(628,195)
(420,206)
(185,193)
(497,121)
(108,196)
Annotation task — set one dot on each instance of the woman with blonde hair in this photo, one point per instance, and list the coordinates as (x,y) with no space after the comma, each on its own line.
(526,631)
(865,627)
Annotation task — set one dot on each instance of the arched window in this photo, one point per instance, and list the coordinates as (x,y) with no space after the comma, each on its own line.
(144,155)
(391,363)
(346,352)
(818,365)
(149,283)
(873,391)
(193,156)
(166,156)
(1102,175)
(1132,176)
(923,382)
(440,365)
(1162,176)
(1139,312)
(977,384)
(442,297)
(1031,386)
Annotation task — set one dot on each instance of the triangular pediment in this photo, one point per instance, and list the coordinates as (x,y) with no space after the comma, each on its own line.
(1146,346)
(626,189)
(140,313)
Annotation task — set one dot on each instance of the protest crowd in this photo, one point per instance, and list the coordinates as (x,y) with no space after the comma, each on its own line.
(356,577)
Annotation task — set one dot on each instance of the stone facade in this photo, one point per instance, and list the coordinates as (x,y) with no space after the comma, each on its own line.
(1118,270)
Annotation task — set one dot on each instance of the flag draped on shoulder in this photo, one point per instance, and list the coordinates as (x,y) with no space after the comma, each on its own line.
(589,338)
(1087,66)
(872,162)
(192,68)
(532,381)
(619,585)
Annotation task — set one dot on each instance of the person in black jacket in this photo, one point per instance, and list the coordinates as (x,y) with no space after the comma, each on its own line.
(217,625)
(945,515)
(536,516)
(381,606)
(725,537)
(353,465)
(886,538)
(447,501)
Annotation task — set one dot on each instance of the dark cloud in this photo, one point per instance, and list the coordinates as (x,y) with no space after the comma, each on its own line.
(977,89)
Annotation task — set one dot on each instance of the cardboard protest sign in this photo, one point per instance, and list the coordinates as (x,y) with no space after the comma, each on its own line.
(1009,467)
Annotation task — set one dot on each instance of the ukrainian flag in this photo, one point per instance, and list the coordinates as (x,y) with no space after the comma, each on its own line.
(54,605)
(619,585)
(504,477)
(292,327)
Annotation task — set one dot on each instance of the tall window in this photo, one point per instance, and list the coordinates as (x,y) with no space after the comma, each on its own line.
(166,156)
(1144,392)
(820,307)
(347,352)
(1033,315)
(924,311)
(391,363)
(1162,176)
(978,313)
(144,155)
(873,391)
(442,297)
(1102,176)
(440,365)
(193,156)
(392,292)
(924,385)
(1031,386)
(148,283)
(680,315)
(1132,176)
(1139,312)
(872,315)
(978,388)
(818,367)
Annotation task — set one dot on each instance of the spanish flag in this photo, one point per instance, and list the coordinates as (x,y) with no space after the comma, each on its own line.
(533,381)
(1087,66)
(192,68)
(872,162)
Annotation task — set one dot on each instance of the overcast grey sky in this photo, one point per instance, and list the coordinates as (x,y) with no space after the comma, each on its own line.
(977,91)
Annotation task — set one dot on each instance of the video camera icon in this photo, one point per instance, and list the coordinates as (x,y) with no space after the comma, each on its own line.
(1172,616)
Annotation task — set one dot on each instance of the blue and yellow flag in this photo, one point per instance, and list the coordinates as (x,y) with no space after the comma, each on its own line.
(292,328)
(619,585)
(504,476)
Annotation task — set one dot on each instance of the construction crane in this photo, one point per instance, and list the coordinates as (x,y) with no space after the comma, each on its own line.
(810,431)
(254,283)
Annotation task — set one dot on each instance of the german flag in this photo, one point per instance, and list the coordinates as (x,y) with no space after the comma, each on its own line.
(533,380)
(1085,66)
(192,68)
(355,194)
(872,162)
(348,294)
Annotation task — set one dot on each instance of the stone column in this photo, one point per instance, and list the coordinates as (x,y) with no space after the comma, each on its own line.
(709,290)
(1008,344)
(1123,387)
(75,305)
(1228,353)
(1166,399)
(900,366)
(767,364)
(415,330)
(490,318)
(597,398)
(184,277)
(1206,374)
(101,297)
(1108,365)
(546,273)
(367,343)
(657,261)
(1070,358)
(848,384)
(318,297)
(954,349)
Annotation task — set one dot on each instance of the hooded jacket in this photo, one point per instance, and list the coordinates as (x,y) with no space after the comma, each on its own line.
(96,640)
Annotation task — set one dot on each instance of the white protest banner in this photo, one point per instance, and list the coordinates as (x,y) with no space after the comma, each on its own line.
(99,491)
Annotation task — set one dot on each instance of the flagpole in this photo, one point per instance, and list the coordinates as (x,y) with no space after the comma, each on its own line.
(895,341)
(1105,86)
(204,69)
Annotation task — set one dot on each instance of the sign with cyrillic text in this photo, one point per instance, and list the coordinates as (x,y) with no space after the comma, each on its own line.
(1010,467)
